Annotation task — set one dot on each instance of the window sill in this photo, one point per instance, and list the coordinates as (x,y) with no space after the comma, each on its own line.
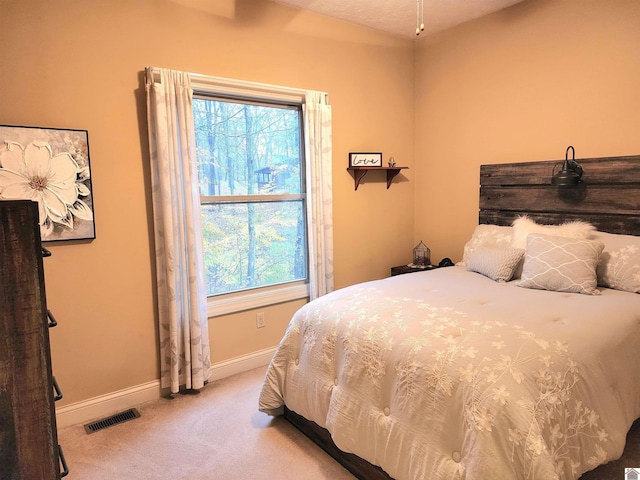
(218,306)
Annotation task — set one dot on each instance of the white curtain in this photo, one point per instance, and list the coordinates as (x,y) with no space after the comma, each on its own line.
(317,120)
(184,340)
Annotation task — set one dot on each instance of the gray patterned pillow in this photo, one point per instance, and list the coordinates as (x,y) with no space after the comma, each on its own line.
(494,262)
(523,226)
(619,266)
(561,264)
(486,236)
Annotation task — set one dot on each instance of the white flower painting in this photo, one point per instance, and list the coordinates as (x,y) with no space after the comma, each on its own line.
(51,167)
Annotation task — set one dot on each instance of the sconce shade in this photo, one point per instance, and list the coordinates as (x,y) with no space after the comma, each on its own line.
(571,172)
(567,176)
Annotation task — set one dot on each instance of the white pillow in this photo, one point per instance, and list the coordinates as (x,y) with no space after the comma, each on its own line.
(524,226)
(487,236)
(619,266)
(561,264)
(494,262)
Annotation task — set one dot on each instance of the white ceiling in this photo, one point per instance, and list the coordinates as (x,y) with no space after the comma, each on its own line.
(399,16)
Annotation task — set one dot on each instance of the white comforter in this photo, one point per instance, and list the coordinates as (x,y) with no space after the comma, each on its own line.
(449,375)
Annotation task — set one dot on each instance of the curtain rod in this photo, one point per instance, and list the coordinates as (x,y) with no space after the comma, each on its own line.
(209,81)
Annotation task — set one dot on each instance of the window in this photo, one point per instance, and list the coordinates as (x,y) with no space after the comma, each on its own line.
(252,192)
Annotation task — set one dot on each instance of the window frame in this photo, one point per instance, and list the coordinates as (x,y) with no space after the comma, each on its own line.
(212,87)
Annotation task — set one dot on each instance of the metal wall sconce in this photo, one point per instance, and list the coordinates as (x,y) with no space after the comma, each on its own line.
(571,173)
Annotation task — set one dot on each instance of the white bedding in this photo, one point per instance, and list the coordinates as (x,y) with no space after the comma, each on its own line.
(447,374)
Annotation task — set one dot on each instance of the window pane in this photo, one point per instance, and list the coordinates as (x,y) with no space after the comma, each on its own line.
(249,245)
(247,149)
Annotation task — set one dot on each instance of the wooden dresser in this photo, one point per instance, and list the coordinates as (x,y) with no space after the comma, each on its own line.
(28,437)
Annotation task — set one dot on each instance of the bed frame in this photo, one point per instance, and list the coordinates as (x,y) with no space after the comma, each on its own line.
(608,197)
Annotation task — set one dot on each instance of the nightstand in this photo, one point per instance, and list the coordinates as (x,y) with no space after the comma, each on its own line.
(400,269)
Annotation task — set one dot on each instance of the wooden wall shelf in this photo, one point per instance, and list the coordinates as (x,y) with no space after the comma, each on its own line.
(359,172)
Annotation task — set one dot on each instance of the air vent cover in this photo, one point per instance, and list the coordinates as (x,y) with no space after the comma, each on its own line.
(125,416)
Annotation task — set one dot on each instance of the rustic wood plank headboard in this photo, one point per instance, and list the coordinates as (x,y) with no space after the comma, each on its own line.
(608,197)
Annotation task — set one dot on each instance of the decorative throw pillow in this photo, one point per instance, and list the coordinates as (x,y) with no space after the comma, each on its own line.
(524,226)
(561,264)
(486,236)
(494,262)
(619,266)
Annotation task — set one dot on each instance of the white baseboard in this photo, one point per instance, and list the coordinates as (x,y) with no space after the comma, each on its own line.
(241,364)
(105,405)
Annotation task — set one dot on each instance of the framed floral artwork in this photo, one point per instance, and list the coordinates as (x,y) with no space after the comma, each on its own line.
(50,166)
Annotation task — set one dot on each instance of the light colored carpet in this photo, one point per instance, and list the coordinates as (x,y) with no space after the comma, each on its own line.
(219,434)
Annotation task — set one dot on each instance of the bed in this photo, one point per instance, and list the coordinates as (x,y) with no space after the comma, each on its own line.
(462,372)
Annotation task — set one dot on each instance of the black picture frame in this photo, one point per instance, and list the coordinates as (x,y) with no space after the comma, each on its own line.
(64,192)
(365,159)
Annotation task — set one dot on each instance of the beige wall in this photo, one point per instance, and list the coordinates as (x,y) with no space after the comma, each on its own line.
(520,85)
(78,63)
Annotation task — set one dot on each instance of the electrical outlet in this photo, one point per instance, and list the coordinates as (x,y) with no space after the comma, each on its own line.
(260,322)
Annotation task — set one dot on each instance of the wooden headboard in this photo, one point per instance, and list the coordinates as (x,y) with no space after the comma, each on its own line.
(608,197)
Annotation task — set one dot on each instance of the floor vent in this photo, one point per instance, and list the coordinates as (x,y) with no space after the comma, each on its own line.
(112,420)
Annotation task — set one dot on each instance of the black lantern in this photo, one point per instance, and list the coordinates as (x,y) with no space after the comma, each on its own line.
(571,173)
